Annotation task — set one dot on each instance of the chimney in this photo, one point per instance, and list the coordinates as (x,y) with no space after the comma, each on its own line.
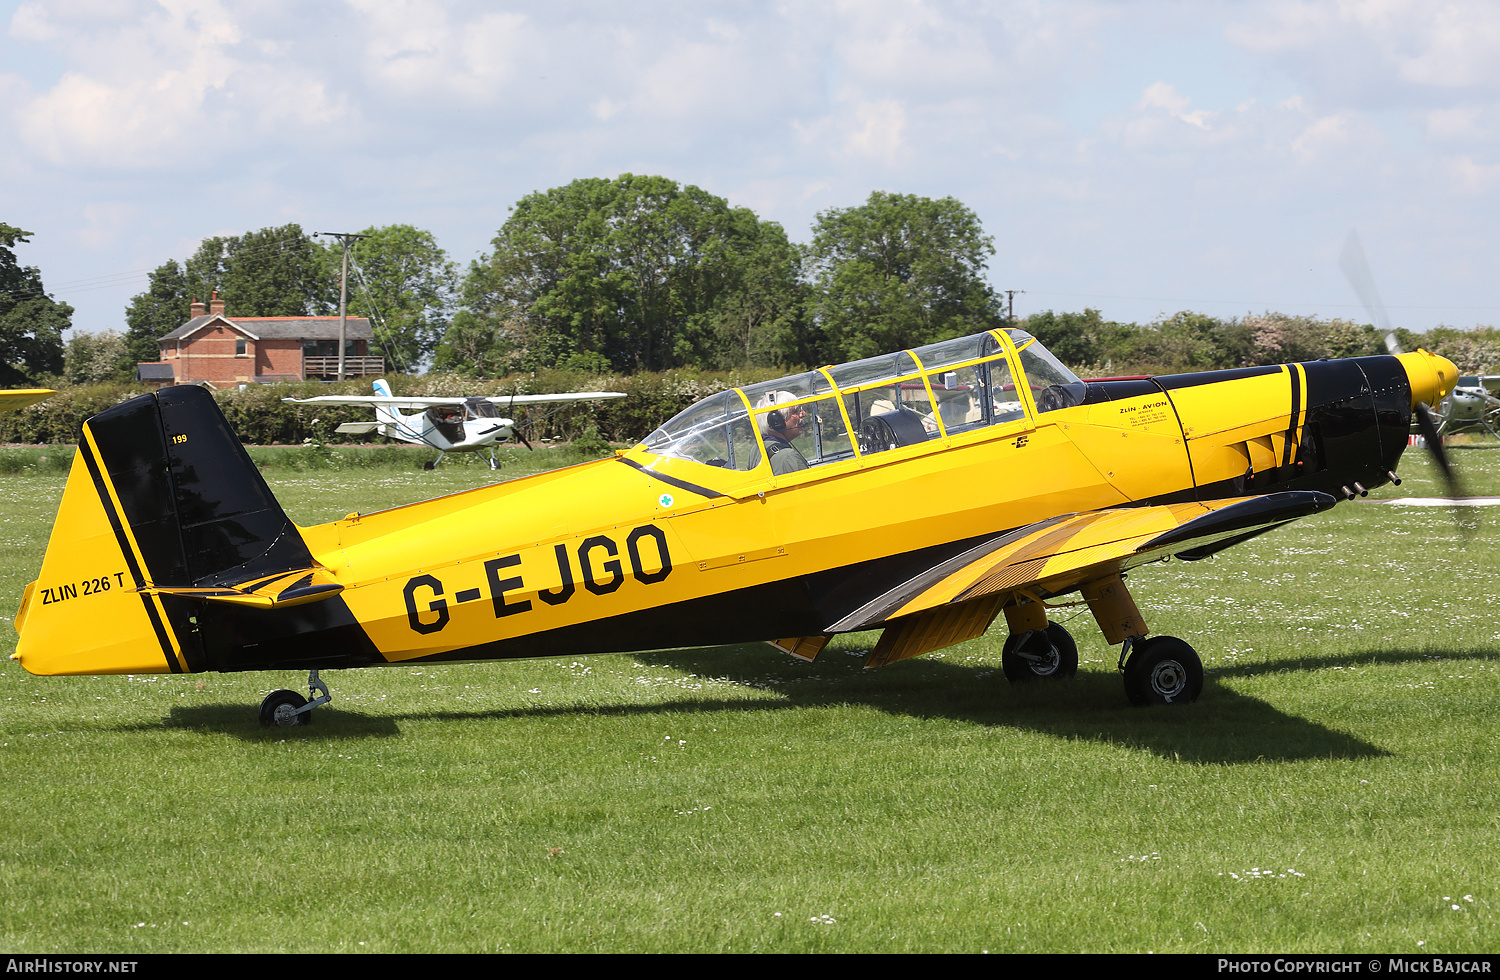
(216,305)
(197,309)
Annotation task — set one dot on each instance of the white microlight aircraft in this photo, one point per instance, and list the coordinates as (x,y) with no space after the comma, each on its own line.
(1471,405)
(449,425)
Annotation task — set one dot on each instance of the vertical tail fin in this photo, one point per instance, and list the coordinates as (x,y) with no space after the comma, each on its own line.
(161,498)
(385,414)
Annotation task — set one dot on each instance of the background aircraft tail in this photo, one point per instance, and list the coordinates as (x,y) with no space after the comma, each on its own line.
(392,419)
(163,513)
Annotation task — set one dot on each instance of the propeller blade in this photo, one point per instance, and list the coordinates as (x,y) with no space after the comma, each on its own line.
(1357,270)
(1435,446)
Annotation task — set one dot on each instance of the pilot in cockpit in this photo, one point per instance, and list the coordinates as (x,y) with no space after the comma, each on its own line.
(779,428)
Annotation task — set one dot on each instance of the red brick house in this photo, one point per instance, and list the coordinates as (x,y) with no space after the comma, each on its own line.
(224,350)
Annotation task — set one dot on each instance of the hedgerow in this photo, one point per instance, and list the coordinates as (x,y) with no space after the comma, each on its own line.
(258,414)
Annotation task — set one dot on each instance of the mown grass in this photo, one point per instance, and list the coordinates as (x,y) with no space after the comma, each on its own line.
(1334,789)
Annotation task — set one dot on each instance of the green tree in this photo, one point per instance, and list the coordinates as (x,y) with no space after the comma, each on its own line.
(31,322)
(762,319)
(1081,340)
(277,272)
(92,358)
(270,272)
(896,272)
(639,269)
(162,308)
(404,282)
(1185,341)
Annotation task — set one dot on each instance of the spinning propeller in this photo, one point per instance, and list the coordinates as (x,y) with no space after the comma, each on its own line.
(1358,272)
(514,427)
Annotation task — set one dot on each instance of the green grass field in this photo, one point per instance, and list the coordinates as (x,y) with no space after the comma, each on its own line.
(1334,790)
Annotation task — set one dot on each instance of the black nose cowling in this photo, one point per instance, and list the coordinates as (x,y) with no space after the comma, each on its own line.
(1357,425)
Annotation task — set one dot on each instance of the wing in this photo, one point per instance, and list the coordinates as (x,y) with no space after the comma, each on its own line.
(412,401)
(566,396)
(20,398)
(387,401)
(956,599)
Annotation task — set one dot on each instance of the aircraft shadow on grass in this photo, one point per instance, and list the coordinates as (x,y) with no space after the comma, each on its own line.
(1224,727)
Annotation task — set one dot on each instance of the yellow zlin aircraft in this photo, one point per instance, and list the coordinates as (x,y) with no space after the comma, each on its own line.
(922,493)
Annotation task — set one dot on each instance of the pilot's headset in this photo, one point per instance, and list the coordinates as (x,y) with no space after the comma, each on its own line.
(773,421)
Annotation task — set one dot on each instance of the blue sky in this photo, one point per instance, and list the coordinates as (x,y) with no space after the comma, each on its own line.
(1136,157)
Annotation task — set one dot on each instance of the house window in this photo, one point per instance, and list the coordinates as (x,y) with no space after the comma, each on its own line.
(239,348)
(327,348)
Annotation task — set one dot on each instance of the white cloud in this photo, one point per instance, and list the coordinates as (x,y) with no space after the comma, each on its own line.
(176,86)
(1162,95)
(1379,45)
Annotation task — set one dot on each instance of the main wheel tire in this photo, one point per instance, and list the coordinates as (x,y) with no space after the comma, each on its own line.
(1055,647)
(1163,670)
(279,710)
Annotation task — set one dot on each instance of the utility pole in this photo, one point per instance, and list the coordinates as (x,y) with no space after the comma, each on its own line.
(1010,304)
(345,237)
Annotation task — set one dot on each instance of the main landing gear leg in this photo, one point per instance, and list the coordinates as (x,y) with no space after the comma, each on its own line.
(1158,669)
(286,709)
(1035,647)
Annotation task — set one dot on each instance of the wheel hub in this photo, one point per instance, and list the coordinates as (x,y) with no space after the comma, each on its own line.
(1169,679)
(1041,655)
(286,716)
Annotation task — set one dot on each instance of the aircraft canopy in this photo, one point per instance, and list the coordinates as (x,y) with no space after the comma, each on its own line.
(877,403)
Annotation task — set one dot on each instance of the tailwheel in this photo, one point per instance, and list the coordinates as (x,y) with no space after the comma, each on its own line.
(1163,670)
(280,709)
(1050,652)
(287,709)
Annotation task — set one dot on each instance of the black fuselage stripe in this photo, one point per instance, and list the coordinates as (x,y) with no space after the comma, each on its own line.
(102,488)
(672,480)
(1291,430)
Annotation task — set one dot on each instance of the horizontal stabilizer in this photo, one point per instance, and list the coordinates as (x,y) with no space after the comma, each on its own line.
(357,428)
(279,591)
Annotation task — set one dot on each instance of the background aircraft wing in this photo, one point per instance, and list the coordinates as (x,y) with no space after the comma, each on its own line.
(564,396)
(21,397)
(1058,555)
(388,401)
(419,402)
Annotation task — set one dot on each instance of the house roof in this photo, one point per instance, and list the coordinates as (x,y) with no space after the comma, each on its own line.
(149,371)
(279,327)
